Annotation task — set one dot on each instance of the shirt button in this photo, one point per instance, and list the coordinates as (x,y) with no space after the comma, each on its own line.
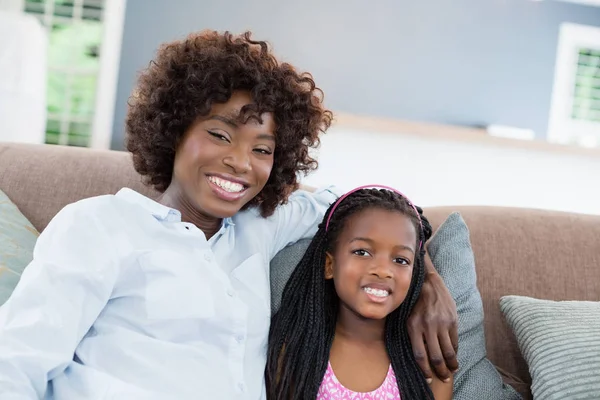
(239,338)
(207,257)
(230,292)
(241,386)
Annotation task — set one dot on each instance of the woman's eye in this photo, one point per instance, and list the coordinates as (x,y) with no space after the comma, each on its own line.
(218,136)
(361,252)
(264,151)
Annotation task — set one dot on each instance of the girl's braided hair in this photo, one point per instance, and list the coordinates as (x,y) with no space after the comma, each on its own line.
(302,330)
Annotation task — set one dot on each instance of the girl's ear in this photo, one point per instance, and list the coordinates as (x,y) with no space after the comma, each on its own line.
(328,266)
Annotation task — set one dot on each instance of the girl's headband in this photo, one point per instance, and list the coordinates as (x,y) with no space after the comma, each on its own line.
(337,203)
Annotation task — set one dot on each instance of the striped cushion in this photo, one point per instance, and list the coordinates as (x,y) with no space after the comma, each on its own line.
(560,340)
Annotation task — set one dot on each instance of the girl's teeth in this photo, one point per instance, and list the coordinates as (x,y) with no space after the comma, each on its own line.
(376,292)
(226,185)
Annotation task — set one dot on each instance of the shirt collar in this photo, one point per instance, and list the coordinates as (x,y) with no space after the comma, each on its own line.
(158,210)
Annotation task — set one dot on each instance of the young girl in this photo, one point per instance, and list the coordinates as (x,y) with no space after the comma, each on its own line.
(341,332)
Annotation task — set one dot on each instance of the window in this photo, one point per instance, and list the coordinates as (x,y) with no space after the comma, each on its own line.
(82,68)
(575,110)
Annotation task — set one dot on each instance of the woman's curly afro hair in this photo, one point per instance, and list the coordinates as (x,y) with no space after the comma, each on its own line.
(188,76)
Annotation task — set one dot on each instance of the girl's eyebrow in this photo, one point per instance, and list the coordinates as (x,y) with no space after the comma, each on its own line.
(361,239)
(408,248)
(400,246)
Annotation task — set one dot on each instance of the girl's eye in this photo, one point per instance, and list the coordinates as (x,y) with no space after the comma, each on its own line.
(401,261)
(218,136)
(361,253)
(264,151)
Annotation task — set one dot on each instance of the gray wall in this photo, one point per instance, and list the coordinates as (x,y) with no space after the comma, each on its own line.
(468,62)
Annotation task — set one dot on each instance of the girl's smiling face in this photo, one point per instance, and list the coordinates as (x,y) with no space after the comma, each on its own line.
(372,262)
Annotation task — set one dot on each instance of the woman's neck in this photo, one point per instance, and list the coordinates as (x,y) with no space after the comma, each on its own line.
(352,326)
(175,198)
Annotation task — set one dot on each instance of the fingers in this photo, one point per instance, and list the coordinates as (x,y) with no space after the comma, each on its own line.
(436,358)
(453,332)
(418,347)
(454,339)
(448,351)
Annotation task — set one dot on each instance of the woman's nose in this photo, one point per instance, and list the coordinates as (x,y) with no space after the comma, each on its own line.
(238,160)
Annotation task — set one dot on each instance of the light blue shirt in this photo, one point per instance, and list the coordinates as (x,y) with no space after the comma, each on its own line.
(124,301)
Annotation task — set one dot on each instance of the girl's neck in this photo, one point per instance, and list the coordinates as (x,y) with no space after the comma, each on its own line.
(353,327)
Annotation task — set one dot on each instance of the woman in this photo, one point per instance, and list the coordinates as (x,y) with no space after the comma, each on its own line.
(128,297)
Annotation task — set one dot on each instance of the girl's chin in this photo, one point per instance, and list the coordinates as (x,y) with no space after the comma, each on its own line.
(373,314)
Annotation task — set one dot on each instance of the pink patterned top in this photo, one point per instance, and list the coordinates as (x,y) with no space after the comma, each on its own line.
(332,389)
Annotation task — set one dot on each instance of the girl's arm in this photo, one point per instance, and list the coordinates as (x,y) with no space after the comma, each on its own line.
(58,298)
(442,390)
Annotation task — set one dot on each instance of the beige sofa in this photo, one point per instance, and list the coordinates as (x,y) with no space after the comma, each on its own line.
(541,254)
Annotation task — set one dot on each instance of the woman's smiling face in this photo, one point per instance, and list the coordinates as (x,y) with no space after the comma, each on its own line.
(222,163)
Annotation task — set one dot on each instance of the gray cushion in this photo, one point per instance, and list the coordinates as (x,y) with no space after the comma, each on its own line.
(450,250)
(17,240)
(452,255)
(560,342)
(282,267)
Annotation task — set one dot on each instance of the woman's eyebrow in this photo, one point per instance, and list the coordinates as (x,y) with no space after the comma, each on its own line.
(224,119)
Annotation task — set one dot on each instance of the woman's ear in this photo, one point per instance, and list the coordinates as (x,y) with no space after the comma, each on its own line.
(328,266)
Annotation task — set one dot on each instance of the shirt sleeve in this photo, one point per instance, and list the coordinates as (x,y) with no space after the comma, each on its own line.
(58,298)
(301,216)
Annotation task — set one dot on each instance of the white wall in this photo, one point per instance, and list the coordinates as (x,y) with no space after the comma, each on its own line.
(435,172)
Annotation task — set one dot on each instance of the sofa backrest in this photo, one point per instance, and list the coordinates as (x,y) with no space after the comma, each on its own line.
(543,254)
(537,253)
(42,179)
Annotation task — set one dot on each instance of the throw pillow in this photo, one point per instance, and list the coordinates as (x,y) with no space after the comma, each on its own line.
(452,255)
(450,250)
(282,266)
(560,340)
(17,240)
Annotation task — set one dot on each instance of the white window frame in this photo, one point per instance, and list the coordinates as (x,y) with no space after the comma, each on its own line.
(113,19)
(108,75)
(561,127)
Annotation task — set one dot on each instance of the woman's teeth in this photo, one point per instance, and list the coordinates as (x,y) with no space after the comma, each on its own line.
(376,292)
(228,186)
